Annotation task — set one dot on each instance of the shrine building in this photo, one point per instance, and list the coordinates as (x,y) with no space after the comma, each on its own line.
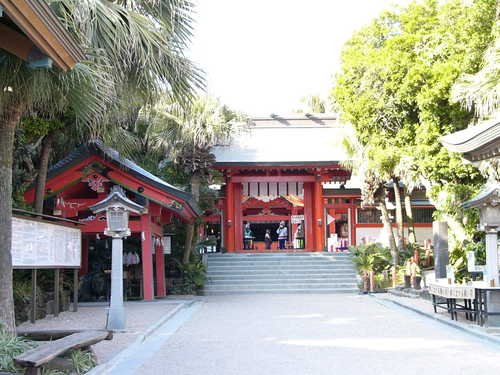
(85,178)
(289,169)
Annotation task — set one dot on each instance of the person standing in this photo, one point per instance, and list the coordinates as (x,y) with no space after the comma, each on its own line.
(299,237)
(248,237)
(282,235)
(267,239)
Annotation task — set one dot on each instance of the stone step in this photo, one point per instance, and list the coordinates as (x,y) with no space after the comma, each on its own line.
(350,280)
(215,262)
(280,273)
(283,268)
(325,271)
(279,286)
(259,257)
(283,291)
(272,276)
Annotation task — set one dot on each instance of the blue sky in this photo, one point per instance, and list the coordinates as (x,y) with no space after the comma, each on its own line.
(262,56)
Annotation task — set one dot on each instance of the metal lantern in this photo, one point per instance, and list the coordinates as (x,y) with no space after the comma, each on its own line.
(117,207)
(117,220)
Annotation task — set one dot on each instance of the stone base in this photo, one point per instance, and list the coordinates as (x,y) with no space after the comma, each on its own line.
(493,321)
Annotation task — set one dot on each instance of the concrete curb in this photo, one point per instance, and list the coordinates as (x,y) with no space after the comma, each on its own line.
(160,322)
(106,366)
(451,323)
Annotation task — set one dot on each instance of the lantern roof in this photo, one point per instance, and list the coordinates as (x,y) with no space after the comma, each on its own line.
(489,195)
(476,143)
(117,197)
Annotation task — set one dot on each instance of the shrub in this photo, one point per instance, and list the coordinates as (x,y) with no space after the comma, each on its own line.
(10,347)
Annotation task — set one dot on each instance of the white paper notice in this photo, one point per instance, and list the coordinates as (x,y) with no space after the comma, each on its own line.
(41,244)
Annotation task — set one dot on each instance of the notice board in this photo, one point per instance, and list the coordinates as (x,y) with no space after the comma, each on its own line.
(40,244)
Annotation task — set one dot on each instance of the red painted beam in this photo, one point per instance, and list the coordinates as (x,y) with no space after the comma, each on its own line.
(294,178)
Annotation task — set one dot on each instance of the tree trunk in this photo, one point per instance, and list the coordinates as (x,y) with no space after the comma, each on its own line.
(412,237)
(8,122)
(43,166)
(191,227)
(366,281)
(399,214)
(390,234)
(372,281)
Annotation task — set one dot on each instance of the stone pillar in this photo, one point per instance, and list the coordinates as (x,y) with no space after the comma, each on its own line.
(116,313)
(440,243)
(492,256)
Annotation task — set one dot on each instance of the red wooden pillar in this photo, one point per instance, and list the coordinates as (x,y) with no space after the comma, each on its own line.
(295,210)
(353,225)
(319,237)
(147,257)
(85,256)
(160,270)
(229,216)
(238,223)
(308,215)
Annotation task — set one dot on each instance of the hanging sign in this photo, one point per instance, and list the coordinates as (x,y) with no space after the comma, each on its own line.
(167,244)
(297,219)
(41,244)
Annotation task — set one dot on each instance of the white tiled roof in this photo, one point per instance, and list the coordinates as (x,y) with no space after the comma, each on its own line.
(288,140)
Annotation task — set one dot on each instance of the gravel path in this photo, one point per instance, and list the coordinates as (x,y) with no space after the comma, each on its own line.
(316,334)
(140,316)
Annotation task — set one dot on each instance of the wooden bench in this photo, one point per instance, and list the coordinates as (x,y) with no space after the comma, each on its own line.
(33,359)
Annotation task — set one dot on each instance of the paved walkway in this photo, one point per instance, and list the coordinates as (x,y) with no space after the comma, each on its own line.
(308,334)
(140,316)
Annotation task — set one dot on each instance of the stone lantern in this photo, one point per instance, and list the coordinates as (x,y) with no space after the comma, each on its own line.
(488,202)
(117,207)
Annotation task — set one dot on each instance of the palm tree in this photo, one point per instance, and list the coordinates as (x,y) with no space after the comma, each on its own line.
(134,50)
(141,43)
(187,135)
(481,91)
(373,186)
(22,89)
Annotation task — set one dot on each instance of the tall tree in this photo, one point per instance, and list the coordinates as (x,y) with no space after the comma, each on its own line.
(187,134)
(134,51)
(395,85)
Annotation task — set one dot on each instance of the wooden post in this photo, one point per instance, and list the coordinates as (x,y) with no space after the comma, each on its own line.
(308,216)
(85,256)
(318,216)
(230,222)
(238,222)
(33,296)
(56,291)
(160,271)
(147,258)
(75,290)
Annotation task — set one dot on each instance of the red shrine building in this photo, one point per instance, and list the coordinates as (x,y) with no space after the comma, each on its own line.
(288,169)
(84,178)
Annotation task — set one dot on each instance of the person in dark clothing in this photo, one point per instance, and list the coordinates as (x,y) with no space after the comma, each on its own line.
(267,239)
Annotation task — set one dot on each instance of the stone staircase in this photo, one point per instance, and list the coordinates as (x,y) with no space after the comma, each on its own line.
(280,273)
